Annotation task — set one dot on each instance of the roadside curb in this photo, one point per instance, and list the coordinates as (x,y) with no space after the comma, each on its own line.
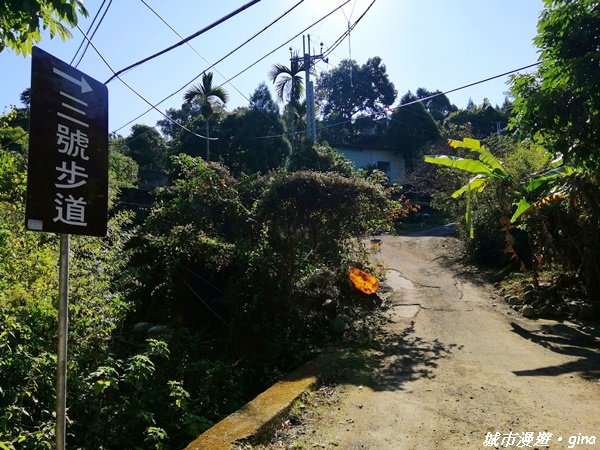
(260,416)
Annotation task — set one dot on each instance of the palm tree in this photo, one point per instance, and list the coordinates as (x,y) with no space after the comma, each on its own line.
(296,114)
(288,83)
(207,96)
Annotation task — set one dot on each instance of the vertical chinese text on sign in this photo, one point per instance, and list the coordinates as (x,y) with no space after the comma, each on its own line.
(67,185)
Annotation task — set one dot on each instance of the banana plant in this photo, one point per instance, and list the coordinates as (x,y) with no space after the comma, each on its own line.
(486,168)
(549,186)
(552,185)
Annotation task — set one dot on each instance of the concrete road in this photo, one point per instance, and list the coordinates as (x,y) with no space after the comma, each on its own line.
(458,369)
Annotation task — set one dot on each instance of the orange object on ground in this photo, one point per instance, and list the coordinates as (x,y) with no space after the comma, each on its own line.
(362,281)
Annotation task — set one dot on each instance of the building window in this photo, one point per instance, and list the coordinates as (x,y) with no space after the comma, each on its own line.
(384,166)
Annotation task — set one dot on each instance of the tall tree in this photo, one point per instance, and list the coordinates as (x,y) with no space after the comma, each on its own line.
(559,108)
(206,95)
(262,101)
(439,106)
(147,147)
(289,85)
(149,150)
(245,149)
(559,105)
(20,21)
(349,90)
(411,129)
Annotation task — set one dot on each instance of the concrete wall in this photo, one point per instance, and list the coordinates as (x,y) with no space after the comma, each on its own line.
(363,157)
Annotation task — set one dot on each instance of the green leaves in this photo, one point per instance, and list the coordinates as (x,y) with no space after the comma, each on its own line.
(476,184)
(289,84)
(484,155)
(547,179)
(206,94)
(522,206)
(468,165)
(487,167)
(559,105)
(20,22)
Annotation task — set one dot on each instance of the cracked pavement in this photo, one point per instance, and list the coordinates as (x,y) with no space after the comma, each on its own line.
(456,364)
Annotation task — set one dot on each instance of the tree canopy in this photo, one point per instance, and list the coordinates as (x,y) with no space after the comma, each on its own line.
(349,90)
(439,106)
(559,105)
(21,22)
(411,129)
(261,100)
(482,120)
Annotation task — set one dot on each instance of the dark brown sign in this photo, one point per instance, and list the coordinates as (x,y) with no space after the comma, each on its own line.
(67,179)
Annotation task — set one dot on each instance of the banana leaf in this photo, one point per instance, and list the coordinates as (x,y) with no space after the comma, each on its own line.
(522,206)
(477,183)
(466,164)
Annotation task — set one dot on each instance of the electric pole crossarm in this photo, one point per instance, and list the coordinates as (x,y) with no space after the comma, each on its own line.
(308,61)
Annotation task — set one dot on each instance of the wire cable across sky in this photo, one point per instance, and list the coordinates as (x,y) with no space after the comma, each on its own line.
(140,95)
(91,36)
(183,41)
(83,41)
(213,65)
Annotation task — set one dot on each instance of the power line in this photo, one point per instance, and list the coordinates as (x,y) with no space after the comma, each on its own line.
(83,41)
(285,43)
(205,60)
(214,64)
(93,34)
(352,11)
(183,41)
(469,85)
(140,95)
(253,64)
(191,47)
(172,29)
(347,32)
(328,52)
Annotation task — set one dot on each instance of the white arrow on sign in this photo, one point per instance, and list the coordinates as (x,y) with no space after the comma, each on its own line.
(85,87)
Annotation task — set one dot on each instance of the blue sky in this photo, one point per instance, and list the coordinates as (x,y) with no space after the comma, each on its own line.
(436,44)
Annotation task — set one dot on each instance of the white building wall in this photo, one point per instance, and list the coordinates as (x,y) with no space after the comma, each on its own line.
(363,158)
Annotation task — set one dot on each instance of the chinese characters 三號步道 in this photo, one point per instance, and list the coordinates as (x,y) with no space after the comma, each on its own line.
(72,142)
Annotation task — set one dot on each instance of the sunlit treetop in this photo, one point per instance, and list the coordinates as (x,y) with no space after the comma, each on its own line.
(21,22)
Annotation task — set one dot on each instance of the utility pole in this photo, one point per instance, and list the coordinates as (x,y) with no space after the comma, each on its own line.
(308,61)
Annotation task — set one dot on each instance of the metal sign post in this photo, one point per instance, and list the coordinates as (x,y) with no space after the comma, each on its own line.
(67,177)
(63,333)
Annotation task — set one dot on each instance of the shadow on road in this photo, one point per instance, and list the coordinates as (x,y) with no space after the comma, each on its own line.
(566,340)
(407,357)
(389,362)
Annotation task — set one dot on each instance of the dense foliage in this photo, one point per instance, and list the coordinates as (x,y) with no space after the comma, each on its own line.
(228,279)
(411,128)
(546,197)
(559,105)
(20,21)
(350,91)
